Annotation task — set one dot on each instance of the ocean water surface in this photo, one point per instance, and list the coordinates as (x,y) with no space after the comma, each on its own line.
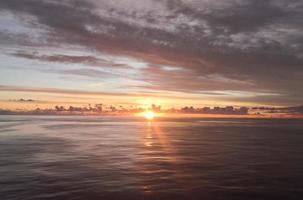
(86,157)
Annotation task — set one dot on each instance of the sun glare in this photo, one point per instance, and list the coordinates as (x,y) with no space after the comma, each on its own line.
(149,115)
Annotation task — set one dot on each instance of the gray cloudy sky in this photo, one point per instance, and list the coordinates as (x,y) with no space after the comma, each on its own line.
(236,51)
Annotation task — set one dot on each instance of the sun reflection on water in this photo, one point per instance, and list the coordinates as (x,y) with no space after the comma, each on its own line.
(159,153)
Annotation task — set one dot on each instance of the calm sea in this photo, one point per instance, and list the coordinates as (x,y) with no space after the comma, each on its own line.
(81,157)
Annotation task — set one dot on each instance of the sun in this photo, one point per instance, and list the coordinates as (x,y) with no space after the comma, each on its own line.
(149,115)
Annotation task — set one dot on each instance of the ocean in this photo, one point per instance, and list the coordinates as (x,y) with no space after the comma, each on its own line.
(111,157)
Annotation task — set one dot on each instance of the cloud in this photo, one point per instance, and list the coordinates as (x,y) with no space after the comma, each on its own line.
(23,100)
(28,100)
(58,58)
(69,59)
(86,93)
(225,45)
(284,110)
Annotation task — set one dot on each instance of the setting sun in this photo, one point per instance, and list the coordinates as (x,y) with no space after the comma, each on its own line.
(149,115)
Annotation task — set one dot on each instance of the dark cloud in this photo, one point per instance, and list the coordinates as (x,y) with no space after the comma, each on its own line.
(247,45)
(283,110)
(23,100)
(71,59)
(59,58)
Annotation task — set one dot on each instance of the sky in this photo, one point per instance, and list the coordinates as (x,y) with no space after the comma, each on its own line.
(168,52)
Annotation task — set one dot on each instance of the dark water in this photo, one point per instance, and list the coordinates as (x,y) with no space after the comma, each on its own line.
(129,158)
